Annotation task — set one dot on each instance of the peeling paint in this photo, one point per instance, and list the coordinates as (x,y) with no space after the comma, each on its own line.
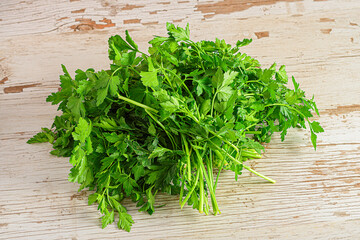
(326,31)
(18,89)
(341,214)
(131,21)
(88,24)
(79,196)
(327,20)
(343,109)
(230,6)
(317,172)
(63,18)
(262,34)
(178,20)
(150,23)
(78,11)
(131,7)
(4,80)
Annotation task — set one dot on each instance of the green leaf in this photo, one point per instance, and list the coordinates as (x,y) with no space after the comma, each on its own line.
(220,107)
(65,71)
(170,106)
(205,106)
(101,95)
(82,130)
(266,76)
(313,139)
(158,152)
(291,97)
(218,79)
(138,171)
(316,127)
(229,77)
(243,43)
(225,93)
(45,136)
(76,106)
(178,33)
(92,198)
(152,129)
(128,183)
(281,75)
(149,79)
(130,41)
(113,85)
(113,137)
(296,85)
(125,221)
(107,219)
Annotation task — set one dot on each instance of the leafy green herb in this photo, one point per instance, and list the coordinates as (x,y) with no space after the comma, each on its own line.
(162,121)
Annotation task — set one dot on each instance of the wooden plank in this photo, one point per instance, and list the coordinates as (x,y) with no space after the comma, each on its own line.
(316,196)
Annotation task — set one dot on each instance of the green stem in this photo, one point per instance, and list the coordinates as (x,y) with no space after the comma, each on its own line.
(137,103)
(227,142)
(246,167)
(182,187)
(188,165)
(209,183)
(191,190)
(201,186)
(172,140)
(221,167)
(252,132)
(259,174)
(212,104)
(292,108)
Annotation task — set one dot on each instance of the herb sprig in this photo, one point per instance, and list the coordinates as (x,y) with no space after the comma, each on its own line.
(162,121)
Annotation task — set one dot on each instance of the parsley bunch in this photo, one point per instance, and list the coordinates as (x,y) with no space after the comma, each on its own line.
(163,121)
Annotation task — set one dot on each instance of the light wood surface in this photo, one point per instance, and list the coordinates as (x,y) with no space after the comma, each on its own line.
(317,194)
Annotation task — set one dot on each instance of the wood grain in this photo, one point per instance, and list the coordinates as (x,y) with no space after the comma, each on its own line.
(317,193)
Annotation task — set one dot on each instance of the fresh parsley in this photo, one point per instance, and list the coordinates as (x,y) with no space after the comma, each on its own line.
(162,121)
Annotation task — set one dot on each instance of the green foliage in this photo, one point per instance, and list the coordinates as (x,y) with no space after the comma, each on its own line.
(163,121)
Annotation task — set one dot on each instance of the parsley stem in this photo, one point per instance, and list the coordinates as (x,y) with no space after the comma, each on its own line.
(208,181)
(137,103)
(172,140)
(201,188)
(182,186)
(221,167)
(258,174)
(252,132)
(292,108)
(191,190)
(246,167)
(288,106)
(187,156)
(212,104)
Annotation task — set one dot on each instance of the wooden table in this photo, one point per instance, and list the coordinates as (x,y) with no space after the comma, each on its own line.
(317,194)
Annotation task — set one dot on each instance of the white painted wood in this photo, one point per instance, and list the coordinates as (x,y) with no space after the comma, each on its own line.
(317,193)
